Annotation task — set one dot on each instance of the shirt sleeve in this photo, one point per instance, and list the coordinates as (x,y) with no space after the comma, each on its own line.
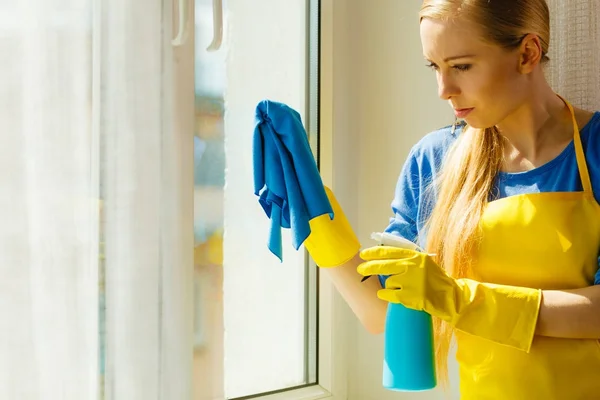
(405,205)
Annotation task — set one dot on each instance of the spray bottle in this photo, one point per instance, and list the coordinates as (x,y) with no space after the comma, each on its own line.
(409,358)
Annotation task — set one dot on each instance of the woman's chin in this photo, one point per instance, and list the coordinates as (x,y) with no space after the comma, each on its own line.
(475,123)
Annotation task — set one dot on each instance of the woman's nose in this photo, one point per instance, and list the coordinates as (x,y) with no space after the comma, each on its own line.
(446,87)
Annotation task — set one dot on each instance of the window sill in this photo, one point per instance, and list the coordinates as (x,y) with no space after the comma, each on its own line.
(315,392)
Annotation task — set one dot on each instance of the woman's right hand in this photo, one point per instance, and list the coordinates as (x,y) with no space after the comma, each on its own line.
(332,242)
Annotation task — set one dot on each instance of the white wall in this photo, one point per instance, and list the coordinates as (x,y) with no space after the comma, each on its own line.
(384,101)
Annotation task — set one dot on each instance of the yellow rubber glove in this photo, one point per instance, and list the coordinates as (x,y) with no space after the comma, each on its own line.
(332,242)
(503,314)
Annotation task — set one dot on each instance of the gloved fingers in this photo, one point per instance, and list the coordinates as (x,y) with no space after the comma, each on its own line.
(387,253)
(396,282)
(389,295)
(382,267)
(403,297)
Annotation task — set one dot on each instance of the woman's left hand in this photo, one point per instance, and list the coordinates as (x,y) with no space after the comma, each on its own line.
(416,280)
(501,313)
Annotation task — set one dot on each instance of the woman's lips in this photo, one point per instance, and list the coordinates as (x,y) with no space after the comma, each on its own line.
(462,112)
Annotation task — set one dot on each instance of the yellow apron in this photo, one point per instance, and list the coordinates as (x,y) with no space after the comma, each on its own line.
(545,241)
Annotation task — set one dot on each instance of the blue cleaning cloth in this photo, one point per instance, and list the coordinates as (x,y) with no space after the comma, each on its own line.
(286,177)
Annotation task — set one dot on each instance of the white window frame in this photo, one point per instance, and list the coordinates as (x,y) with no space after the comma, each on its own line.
(334,316)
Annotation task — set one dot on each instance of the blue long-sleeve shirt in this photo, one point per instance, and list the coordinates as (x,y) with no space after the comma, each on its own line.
(412,209)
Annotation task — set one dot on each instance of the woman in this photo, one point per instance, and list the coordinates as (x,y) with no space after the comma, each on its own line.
(507,204)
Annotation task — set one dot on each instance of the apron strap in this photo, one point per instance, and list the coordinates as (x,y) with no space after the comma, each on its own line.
(584,175)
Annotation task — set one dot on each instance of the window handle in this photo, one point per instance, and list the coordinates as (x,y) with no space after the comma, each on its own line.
(183,20)
(217,26)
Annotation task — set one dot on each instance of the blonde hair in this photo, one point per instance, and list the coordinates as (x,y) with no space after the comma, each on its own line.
(468,173)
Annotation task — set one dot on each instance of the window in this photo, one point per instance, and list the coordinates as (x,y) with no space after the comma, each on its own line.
(255,318)
(134,260)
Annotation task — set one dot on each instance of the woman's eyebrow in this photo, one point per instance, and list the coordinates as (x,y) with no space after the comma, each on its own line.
(454,57)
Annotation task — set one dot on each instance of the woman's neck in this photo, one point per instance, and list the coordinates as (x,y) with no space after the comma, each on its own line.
(537,131)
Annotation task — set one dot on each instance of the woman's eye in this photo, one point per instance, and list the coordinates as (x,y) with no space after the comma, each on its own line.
(462,67)
(459,67)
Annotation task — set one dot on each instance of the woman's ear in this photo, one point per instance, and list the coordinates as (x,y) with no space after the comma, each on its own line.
(531,53)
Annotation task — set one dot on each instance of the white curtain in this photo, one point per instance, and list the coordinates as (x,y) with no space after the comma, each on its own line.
(146,114)
(96,115)
(574,69)
(48,203)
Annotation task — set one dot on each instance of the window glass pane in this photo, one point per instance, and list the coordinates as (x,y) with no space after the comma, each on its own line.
(254,315)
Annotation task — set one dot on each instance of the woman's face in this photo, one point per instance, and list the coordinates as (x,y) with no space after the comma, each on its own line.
(481,81)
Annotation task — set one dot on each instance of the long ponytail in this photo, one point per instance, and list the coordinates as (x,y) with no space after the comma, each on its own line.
(452,231)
